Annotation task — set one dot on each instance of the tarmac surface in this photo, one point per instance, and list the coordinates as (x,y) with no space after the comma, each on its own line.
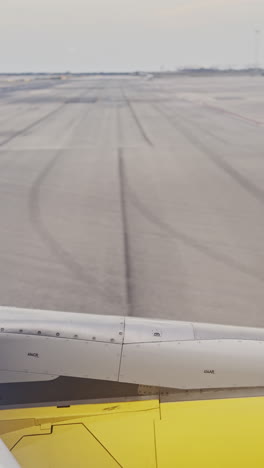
(134,196)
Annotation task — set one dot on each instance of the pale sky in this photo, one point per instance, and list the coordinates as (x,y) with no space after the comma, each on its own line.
(128,35)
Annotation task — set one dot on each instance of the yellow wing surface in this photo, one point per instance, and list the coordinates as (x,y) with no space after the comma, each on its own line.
(141,434)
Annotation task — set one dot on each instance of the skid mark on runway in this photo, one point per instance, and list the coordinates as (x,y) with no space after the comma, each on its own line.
(35,215)
(139,124)
(190,241)
(137,120)
(244,118)
(120,133)
(54,245)
(222,164)
(63,256)
(37,122)
(124,219)
(32,125)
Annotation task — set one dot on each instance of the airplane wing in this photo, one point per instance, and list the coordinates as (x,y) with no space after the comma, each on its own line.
(144,427)
(138,434)
(152,352)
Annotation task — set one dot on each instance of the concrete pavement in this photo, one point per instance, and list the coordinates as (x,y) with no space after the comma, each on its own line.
(133,196)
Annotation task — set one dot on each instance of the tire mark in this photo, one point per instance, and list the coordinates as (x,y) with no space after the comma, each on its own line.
(210,133)
(126,246)
(36,122)
(214,135)
(35,216)
(233,173)
(137,121)
(120,133)
(235,115)
(63,256)
(189,240)
(205,105)
(32,125)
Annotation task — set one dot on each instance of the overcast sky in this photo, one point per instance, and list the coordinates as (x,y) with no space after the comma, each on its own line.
(116,35)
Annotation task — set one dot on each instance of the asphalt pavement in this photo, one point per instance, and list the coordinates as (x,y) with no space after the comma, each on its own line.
(134,196)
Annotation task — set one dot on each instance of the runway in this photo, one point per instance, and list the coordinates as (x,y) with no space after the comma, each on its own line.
(134,196)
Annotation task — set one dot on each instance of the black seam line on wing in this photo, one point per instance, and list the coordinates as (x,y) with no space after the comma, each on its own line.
(99,442)
(127,343)
(30,435)
(32,125)
(222,164)
(192,340)
(137,121)
(64,257)
(124,221)
(57,338)
(155,436)
(193,330)
(190,241)
(69,423)
(121,351)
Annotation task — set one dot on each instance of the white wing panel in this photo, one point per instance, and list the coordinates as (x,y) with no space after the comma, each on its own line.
(140,330)
(59,356)
(194,364)
(64,324)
